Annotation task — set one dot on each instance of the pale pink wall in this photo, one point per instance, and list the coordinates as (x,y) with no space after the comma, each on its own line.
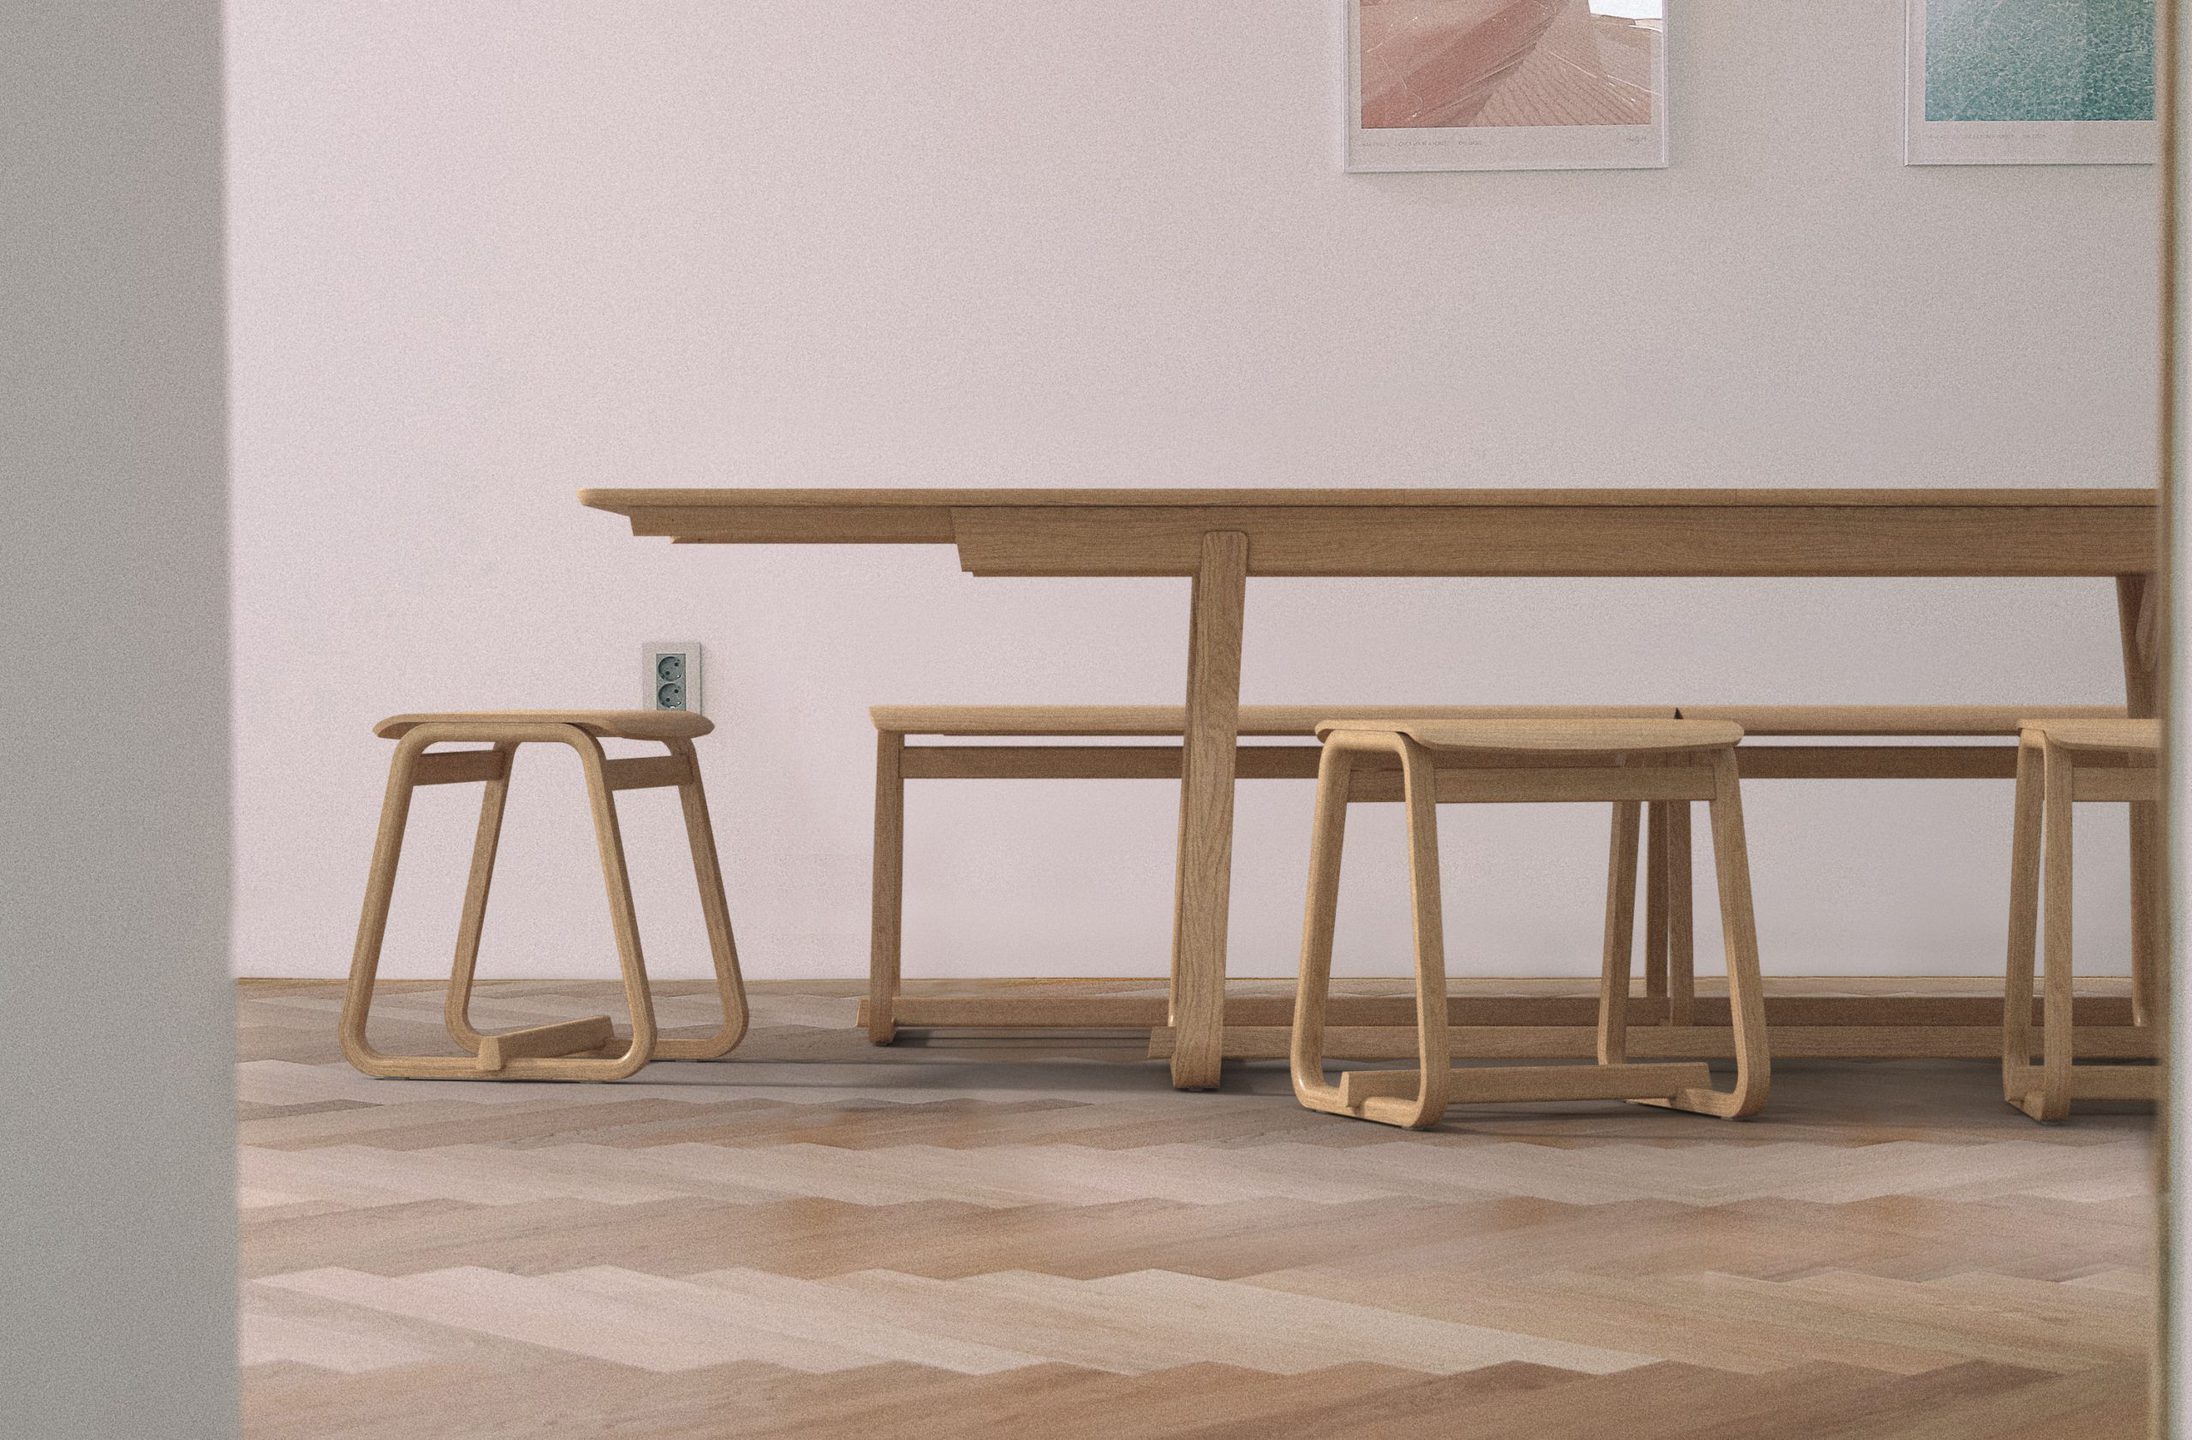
(483,255)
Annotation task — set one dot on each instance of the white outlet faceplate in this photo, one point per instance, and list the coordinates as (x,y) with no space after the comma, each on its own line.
(670,675)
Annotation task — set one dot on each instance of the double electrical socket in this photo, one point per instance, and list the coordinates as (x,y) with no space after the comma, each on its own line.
(670,673)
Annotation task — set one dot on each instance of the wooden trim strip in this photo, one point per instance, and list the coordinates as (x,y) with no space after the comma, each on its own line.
(2090,782)
(1876,762)
(646,772)
(1378,781)
(566,1037)
(1605,782)
(625,501)
(2116,1082)
(1299,762)
(1893,720)
(1170,721)
(459,767)
(1586,539)
(929,1010)
(1660,1042)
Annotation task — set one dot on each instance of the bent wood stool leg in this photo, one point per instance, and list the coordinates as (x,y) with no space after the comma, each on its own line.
(886,920)
(380,886)
(617,881)
(1681,919)
(1328,835)
(2138,626)
(457,1008)
(715,912)
(2052,1100)
(1613,980)
(1739,927)
(1434,1052)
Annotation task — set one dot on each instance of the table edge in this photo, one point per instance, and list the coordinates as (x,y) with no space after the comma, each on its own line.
(624,501)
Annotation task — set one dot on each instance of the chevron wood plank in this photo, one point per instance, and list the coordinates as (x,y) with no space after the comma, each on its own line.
(1005,1235)
(809,1307)
(1285,1318)
(270,1333)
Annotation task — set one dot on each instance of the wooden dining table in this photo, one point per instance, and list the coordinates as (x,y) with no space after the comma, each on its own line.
(1220,538)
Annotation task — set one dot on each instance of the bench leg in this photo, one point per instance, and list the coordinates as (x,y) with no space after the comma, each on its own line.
(1320,913)
(457,1007)
(1657,819)
(1681,919)
(2149,940)
(2051,1100)
(886,922)
(2138,627)
(1613,980)
(2024,927)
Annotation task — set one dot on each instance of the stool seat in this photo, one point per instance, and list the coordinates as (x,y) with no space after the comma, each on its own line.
(601,724)
(1551,736)
(2135,737)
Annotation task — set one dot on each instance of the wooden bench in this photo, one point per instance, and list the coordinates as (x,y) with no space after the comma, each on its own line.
(1826,742)
(1767,754)
(1115,756)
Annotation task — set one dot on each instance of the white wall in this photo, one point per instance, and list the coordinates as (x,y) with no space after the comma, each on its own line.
(484,255)
(117,1190)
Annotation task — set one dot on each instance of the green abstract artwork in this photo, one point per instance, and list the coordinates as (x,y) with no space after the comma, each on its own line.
(2039,60)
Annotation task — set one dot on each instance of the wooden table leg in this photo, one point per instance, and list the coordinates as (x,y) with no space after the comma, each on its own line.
(1205,868)
(2138,624)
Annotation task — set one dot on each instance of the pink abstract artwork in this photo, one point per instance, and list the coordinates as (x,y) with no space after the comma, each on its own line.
(1429,64)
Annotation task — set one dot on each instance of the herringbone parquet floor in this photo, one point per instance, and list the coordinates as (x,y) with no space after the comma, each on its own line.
(1012,1238)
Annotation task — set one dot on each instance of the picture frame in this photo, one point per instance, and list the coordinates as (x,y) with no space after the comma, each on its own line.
(2029,82)
(1506,85)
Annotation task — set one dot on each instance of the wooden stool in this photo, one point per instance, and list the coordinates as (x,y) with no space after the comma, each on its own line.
(2059,763)
(1629,762)
(562,1051)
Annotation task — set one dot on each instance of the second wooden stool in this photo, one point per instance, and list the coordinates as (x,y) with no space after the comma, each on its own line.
(1628,762)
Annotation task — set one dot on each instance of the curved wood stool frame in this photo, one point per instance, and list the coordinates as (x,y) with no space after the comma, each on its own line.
(1573,766)
(561,1051)
(2062,763)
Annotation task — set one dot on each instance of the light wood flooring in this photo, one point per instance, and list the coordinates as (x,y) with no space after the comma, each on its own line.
(1013,1237)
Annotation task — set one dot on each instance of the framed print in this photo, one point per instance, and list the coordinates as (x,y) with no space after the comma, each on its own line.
(2029,82)
(1506,84)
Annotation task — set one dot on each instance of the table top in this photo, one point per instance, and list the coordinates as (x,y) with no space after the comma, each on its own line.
(1344,531)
